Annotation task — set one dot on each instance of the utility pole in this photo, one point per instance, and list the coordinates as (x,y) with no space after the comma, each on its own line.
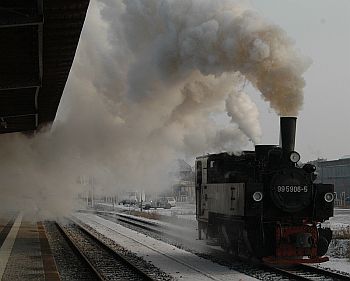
(141,202)
(92,191)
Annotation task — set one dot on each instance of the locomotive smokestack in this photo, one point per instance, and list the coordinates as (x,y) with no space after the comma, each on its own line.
(288,129)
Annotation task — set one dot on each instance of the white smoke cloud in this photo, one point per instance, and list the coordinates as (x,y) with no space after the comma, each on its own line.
(147,76)
(240,107)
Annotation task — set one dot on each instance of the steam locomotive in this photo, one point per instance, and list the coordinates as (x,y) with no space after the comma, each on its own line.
(263,204)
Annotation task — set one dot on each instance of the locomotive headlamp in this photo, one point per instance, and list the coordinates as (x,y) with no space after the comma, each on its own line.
(329,197)
(257,196)
(309,168)
(294,156)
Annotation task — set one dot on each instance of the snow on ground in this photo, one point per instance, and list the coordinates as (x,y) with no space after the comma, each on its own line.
(339,250)
(337,264)
(340,220)
(180,264)
(181,210)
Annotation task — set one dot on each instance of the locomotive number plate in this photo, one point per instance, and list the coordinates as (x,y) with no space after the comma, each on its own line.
(292,188)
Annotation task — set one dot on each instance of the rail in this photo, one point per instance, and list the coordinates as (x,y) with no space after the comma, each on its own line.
(102,266)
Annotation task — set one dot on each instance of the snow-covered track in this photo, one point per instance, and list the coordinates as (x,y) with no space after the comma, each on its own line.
(259,271)
(105,262)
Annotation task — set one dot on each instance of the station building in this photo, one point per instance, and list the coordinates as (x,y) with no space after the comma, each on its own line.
(336,172)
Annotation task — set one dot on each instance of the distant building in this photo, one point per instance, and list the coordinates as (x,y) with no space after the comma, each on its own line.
(183,184)
(336,172)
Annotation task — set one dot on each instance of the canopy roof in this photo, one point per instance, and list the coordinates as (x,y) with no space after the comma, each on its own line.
(39,39)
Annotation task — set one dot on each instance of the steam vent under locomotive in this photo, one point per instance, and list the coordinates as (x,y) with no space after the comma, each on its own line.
(262,204)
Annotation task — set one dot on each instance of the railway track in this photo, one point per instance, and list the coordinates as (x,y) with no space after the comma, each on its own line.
(106,263)
(298,272)
(310,273)
(139,223)
(178,264)
(69,263)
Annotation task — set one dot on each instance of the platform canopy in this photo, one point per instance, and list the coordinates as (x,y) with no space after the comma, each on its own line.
(38,39)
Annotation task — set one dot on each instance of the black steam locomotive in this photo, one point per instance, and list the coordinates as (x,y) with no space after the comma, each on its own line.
(263,204)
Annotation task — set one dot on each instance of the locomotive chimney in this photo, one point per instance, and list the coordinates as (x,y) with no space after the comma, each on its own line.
(288,129)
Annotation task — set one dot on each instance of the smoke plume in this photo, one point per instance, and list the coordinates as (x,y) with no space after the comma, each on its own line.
(239,106)
(147,77)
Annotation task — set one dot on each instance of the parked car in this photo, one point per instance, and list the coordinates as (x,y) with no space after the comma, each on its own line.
(171,201)
(161,202)
(128,202)
(146,205)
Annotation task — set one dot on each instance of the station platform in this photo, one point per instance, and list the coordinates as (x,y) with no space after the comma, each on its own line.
(25,253)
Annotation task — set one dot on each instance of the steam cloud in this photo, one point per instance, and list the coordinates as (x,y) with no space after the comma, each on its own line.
(147,78)
(239,106)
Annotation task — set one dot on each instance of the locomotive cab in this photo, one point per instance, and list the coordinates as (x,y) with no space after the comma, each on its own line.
(262,203)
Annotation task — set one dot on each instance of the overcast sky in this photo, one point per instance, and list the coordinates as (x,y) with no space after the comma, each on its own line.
(321,31)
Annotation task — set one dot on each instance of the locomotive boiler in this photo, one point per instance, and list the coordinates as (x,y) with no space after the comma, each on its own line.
(264,204)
